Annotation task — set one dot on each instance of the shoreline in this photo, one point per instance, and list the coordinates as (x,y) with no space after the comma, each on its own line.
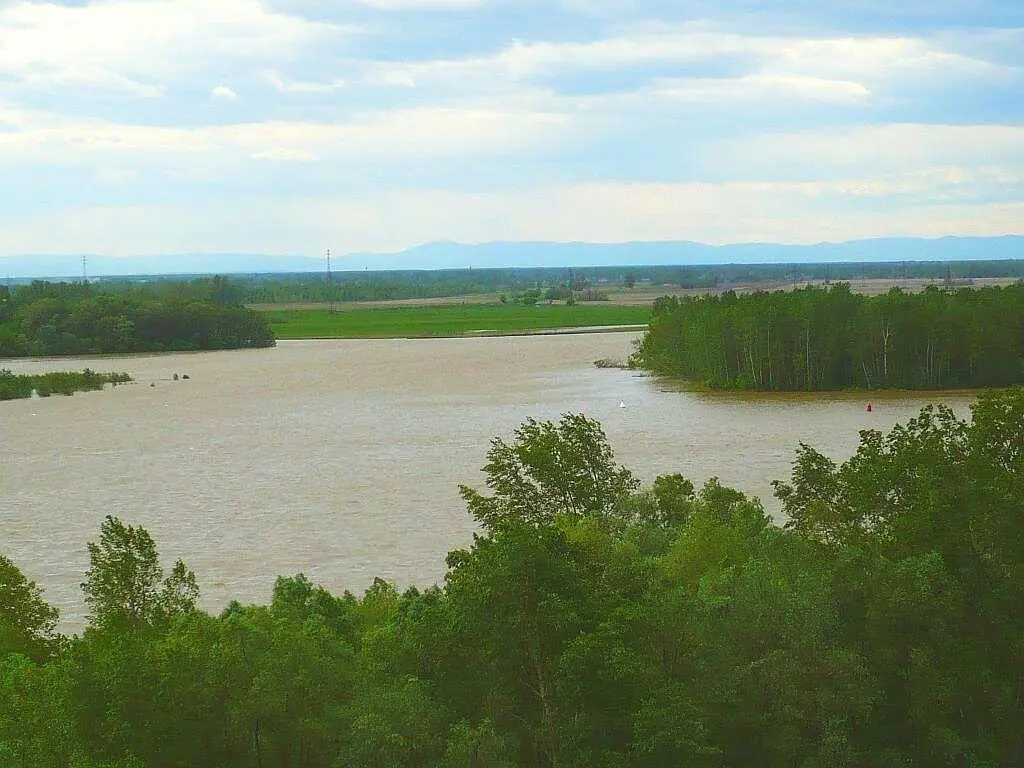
(482,333)
(670,384)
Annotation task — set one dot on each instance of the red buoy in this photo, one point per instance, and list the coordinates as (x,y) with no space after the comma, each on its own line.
(869,407)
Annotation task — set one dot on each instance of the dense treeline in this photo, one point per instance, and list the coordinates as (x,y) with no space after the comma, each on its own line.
(724,275)
(584,283)
(415,284)
(512,284)
(420,284)
(74,318)
(590,623)
(822,339)
(380,286)
(13,387)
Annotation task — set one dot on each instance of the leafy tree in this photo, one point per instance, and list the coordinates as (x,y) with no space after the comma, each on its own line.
(125,582)
(481,746)
(27,621)
(394,725)
(37,723)
(550,469)
(924,520)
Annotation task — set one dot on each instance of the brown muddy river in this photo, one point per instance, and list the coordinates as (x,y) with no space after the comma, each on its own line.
(342,459)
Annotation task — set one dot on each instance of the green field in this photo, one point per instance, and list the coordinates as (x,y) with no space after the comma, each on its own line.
(447,320)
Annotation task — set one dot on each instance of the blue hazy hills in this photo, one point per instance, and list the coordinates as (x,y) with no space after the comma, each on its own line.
(449,255)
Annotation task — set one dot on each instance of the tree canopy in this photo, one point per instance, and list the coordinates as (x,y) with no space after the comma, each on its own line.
(824,339)
(72,319)
(27,622)
(125,581)
(550,469)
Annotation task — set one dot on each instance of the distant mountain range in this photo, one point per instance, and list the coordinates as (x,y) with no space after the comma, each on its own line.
(447,255)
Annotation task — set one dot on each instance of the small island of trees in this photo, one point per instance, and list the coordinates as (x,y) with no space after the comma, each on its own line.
(45,318)
(13,387)
(826,339)
(591,622)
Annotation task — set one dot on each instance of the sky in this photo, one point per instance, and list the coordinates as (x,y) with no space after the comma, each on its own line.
(292,126)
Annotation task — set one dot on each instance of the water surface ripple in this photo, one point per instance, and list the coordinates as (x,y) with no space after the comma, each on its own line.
(342,459)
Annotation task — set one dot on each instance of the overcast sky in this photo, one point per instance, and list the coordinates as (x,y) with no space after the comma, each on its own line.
(290,126)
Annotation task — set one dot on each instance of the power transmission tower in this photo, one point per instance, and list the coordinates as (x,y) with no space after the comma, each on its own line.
(85,274)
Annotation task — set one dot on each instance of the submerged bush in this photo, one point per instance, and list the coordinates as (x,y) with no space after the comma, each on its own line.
(13,387)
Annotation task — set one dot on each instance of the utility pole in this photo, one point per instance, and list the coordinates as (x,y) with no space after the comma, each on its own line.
(330,283)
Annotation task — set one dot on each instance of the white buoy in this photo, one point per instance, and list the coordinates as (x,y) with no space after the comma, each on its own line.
(621,404)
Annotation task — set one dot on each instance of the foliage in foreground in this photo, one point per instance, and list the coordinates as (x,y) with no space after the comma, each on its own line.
(817,339)
(13,387)
(590,623)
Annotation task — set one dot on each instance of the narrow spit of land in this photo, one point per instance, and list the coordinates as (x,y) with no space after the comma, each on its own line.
(15,387)
(446,320)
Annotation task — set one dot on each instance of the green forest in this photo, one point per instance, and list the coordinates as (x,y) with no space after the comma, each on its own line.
(78,318)
(380,285)
(592,622)
(826,339)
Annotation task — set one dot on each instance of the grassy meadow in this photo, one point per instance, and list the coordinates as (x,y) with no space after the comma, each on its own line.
(447,320)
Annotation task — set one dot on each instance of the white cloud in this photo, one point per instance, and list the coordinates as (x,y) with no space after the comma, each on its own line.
(600,8)
(90,77)
(300,86)
(140,46)
(389,136)
(869,149)
(115,176)
(57,140)
(830,68)
(397,78)
(721,213)
(416,5)
(224,93)
(749,88)
(287,155)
